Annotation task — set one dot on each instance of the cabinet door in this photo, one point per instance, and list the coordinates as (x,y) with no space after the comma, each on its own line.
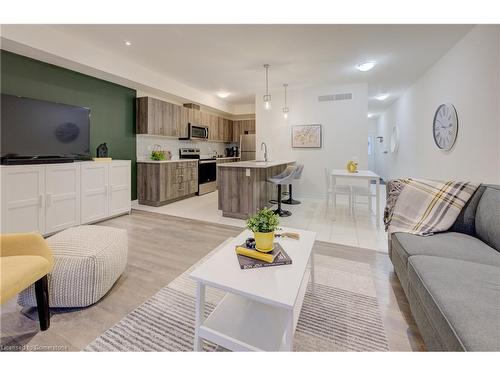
(237,130)
(119,187)
(94,188)
(194,116)
(183,122)
(171,191)
(248,126)
(23,199)
(172,116)
(62,196)
(228,130)
(155,117)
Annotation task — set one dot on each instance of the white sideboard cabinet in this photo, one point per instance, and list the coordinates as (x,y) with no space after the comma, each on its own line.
(51,197)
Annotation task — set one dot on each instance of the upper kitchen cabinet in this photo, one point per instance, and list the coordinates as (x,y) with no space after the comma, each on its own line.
(242,127)
(156,117)
(227,130)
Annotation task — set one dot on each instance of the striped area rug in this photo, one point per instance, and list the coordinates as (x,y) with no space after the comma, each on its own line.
(342,315)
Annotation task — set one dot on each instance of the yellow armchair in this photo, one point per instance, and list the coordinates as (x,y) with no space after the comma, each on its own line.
(26,259)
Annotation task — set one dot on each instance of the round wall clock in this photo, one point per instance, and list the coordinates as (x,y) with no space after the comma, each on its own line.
(445,126)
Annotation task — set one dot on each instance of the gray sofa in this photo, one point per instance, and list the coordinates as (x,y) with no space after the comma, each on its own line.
(452,279)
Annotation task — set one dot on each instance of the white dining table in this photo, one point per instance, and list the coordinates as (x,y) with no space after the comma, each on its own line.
(362,175)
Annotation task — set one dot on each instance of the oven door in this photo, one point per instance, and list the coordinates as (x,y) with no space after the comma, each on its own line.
(207,176)
(199,132)
(207,171)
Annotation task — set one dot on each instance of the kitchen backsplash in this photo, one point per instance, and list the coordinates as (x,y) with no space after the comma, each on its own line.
(145,144)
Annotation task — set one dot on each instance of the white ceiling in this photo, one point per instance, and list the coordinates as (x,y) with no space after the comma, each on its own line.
(230,57)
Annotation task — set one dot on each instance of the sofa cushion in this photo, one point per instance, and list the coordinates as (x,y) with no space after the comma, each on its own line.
(466,220)
(488,217)
(461,300)
(448,244)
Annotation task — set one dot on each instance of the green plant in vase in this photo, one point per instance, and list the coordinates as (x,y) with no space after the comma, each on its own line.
(263,224)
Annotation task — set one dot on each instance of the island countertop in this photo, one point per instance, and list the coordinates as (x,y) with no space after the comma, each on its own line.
(256,164)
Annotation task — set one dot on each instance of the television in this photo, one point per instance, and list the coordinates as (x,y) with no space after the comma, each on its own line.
(37,131)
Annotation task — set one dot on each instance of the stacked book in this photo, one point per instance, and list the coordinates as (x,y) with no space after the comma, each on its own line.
(251,258)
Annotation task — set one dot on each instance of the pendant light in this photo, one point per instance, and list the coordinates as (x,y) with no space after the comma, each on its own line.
(267,97)
(285,108)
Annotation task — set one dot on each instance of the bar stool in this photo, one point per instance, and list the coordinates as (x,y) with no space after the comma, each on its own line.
(284,178)
(297,175)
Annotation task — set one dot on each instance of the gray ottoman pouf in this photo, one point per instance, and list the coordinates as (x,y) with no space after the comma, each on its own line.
(87,261)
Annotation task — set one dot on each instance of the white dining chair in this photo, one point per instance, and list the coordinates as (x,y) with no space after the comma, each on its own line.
(333,190)
(361,191)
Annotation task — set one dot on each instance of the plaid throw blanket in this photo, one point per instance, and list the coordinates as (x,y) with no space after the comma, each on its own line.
(425,207)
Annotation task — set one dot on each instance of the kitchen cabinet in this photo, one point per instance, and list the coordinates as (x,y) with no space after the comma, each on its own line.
(159,183)
(242,127)
(228,130)
(157,117)
(183,122)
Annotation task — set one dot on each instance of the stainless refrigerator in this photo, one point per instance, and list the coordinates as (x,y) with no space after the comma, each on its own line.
(247,147)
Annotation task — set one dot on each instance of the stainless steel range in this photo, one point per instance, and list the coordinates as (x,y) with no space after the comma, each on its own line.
(207,170)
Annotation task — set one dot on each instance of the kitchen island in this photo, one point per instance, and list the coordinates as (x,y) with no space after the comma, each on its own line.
(243,186)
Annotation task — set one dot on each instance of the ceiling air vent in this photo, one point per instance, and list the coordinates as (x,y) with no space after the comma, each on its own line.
(335,97)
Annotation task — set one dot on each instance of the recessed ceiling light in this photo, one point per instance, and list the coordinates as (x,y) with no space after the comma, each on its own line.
(370,115)
(128,43)
(366,66)
(382,97)
(223,94)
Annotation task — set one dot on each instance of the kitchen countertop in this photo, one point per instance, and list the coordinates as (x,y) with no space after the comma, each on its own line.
(166,161)
(181,160)
(256,164)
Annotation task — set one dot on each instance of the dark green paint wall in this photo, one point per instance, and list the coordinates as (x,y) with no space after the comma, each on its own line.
(112,106)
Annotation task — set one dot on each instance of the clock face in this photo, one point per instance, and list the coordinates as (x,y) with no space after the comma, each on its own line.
(445,127)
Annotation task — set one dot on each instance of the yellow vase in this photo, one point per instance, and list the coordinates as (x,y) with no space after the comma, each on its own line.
(352,166)
(264,242)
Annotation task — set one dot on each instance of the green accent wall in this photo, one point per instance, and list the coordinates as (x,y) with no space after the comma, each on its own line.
(112,106)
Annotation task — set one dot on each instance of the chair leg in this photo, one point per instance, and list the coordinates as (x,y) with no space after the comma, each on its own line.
(42,302)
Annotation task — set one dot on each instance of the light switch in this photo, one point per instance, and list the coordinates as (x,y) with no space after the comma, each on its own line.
(247,172)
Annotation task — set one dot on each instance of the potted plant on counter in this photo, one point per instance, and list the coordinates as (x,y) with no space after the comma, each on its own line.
(263,225)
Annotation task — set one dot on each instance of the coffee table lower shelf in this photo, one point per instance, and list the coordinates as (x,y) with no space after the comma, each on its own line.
(239,323)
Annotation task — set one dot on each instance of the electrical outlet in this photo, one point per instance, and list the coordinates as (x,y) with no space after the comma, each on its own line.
(247,172)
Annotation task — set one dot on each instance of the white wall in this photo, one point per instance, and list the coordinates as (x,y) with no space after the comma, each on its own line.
(344,124)
(468,77)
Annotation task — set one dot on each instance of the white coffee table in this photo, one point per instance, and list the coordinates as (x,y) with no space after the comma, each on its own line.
(262,306)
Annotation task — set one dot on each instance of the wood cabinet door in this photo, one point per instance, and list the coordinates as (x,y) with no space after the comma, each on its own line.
(237,131)
(156,115)
(23,199)
(182,125)
(141,115)
(170,181)
(248,126)
(62,196)
(228,130)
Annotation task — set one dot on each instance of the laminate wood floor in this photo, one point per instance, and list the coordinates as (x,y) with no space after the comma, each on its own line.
(161,247)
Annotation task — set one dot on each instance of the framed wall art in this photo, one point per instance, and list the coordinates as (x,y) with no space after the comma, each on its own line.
(306,136)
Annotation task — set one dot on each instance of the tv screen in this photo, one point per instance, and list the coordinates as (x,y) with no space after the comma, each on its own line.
(31,127)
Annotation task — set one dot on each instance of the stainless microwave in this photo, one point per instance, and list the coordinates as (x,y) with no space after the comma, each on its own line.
(196,132)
